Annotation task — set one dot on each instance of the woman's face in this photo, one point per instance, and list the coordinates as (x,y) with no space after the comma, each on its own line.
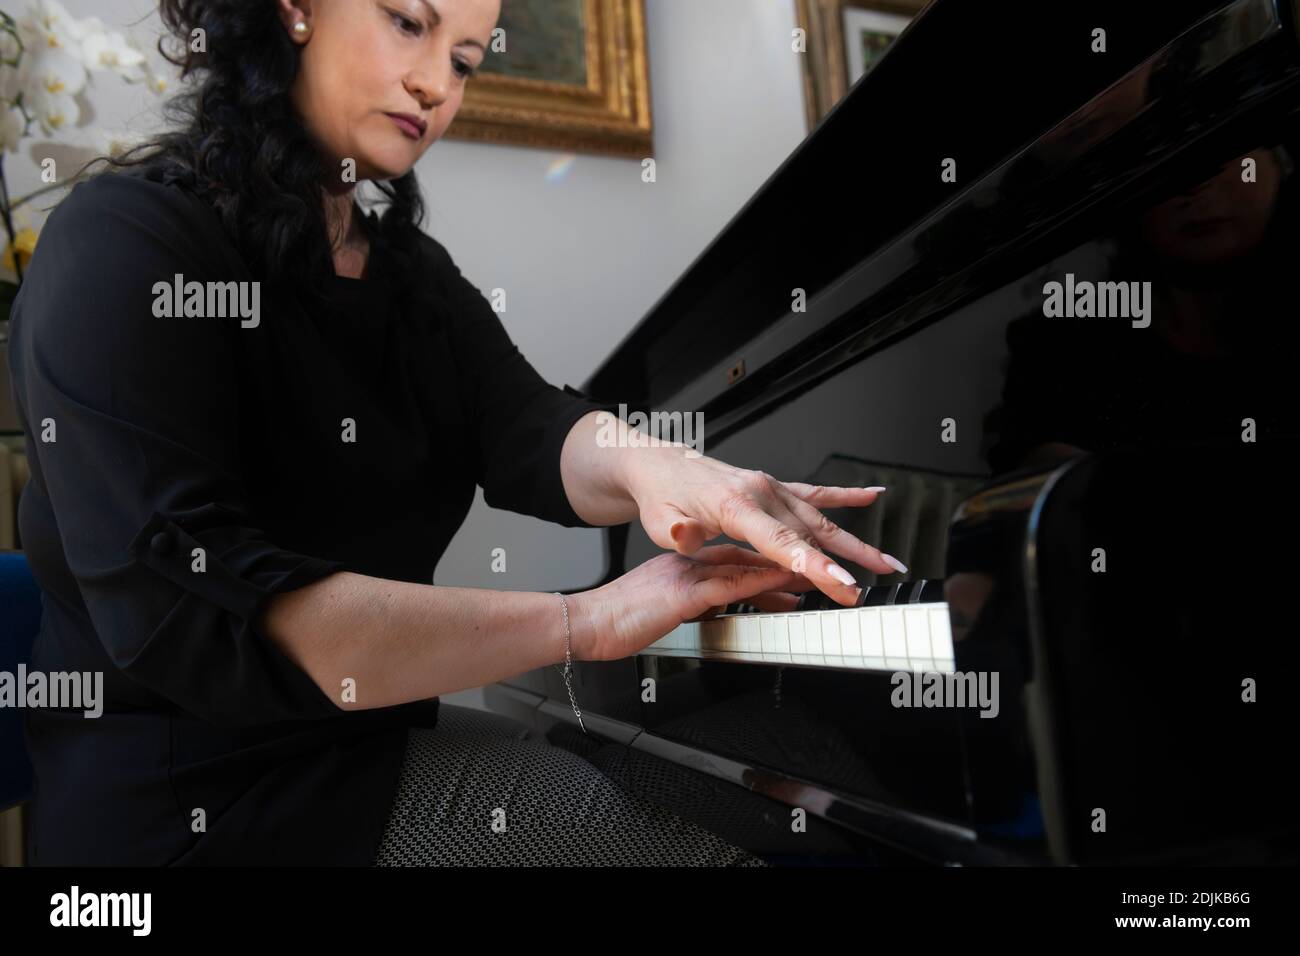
(364,59)
(1220,219)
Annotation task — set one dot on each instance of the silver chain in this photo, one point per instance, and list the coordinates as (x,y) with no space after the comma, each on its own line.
(568,661)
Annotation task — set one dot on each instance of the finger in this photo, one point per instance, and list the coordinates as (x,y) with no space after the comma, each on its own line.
(777,602)
(791,546)
(709,614)
(832,537)
(674,530)
(733,554)
(728,583)
(832,496)
(688,535)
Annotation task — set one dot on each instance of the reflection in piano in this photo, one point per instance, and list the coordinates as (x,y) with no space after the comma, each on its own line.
(1095,503)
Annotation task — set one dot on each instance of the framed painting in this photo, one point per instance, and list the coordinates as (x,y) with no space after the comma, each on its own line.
(564,74)
(845,39)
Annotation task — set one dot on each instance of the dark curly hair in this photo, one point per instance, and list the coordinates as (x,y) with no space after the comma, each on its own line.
(239,144)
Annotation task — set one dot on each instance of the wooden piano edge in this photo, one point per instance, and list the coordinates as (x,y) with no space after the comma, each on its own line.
(931,839)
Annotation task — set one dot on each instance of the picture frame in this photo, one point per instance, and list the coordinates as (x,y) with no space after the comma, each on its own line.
(574,76)
(844,39)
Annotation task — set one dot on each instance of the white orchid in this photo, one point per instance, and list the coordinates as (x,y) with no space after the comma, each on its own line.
(49,26)
(112,51)
(48,58)
(54,110)
(53,69)
(153,80)
(12,127)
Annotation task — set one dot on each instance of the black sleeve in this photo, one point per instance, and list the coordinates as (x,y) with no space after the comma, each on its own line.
(518,421)
(132,424)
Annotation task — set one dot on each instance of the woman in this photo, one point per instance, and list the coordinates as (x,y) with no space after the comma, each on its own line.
(233,511)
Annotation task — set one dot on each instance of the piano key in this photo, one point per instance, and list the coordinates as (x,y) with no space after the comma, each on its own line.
(941,635)
(831,634)
(812,633)
(850,633)
(891,624)
(781,633)
(815,601)
(916,623)
(912,637)
(930,592)
(873,640)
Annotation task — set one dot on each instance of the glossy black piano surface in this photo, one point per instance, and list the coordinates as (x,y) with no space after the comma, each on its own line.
(1018,447)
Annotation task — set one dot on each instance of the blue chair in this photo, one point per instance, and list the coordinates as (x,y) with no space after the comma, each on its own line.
(20,618)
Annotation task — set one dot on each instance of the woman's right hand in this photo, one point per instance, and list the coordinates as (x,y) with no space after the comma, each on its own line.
(633,611)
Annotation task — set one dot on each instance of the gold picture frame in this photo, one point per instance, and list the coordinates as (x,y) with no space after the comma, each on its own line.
(607,111)
(826,75)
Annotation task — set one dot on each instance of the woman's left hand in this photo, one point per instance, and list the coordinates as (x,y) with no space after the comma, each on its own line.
(685,501)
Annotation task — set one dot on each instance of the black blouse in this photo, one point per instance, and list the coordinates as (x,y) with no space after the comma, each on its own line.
(184,469)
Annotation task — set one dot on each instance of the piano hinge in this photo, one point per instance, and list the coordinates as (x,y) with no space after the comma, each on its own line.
(736,372)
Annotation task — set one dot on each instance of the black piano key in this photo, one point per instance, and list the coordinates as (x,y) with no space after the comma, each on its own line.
(877,595)
(924,591)
(931,592)
(816,601)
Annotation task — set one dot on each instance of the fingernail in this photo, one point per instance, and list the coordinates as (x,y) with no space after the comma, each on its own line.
(875,488)
(893,562)
(839,574)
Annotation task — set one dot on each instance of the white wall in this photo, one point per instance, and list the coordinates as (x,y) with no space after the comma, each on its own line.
(582,258)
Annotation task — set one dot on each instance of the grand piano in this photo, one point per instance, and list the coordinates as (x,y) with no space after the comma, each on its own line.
(1048,300)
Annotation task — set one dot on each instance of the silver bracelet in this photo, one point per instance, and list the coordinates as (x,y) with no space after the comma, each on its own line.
(568,661)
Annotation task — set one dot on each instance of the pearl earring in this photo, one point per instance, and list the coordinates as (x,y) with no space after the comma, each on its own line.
(300,28)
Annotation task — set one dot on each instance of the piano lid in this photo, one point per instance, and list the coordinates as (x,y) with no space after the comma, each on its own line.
(977,92)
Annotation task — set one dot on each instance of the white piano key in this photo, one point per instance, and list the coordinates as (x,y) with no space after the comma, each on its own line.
(691,637)
(916,621)
(731,635)
(797,645)
(781,633)
(906,637)
(892,628)
(873,641)
(812,633)
(831,634)
(711,636)
(941,634)
(851,633)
